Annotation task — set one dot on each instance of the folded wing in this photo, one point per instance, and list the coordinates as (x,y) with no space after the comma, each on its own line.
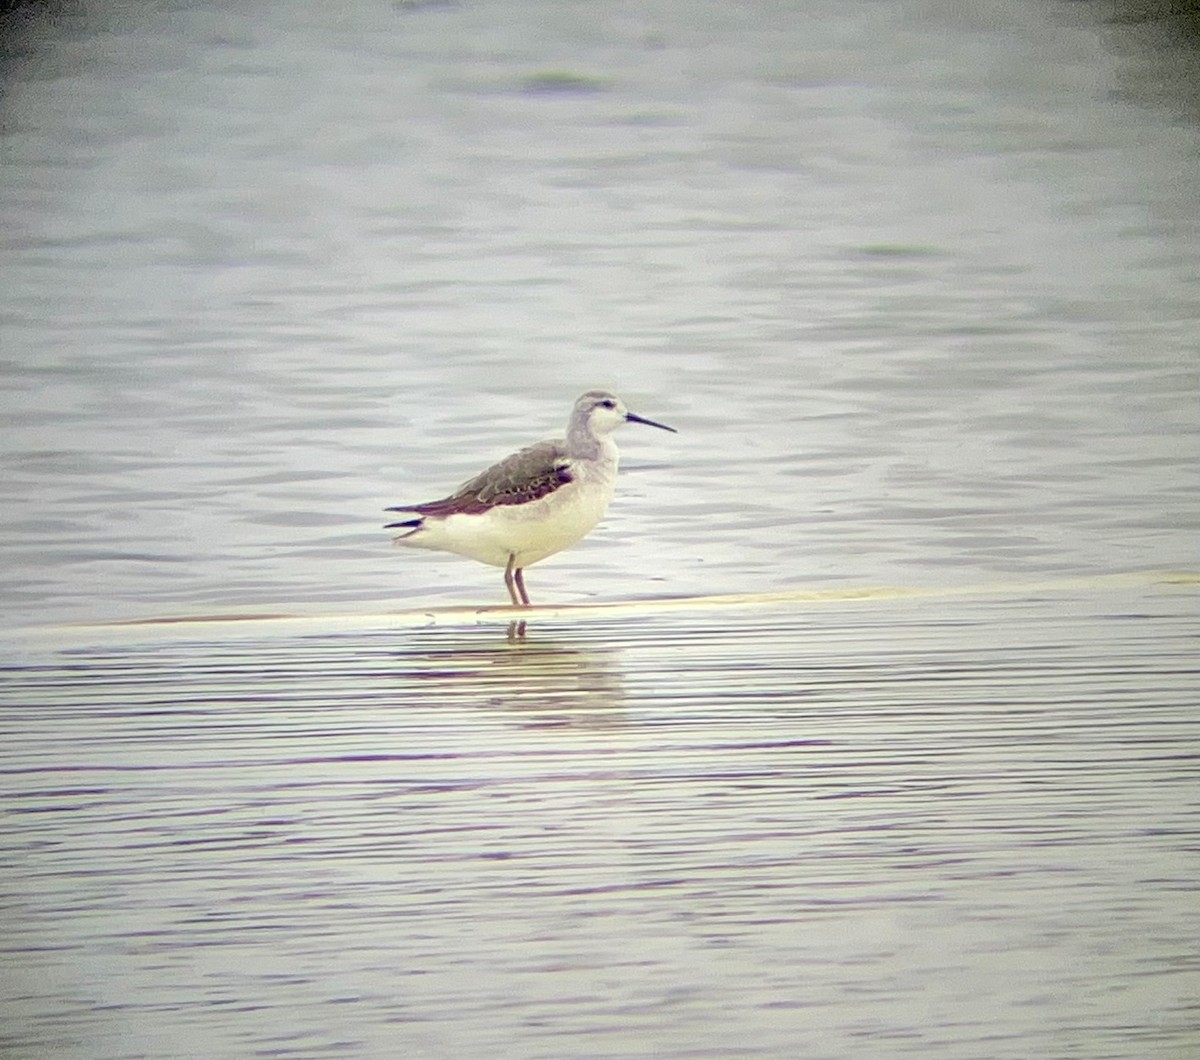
(528,475)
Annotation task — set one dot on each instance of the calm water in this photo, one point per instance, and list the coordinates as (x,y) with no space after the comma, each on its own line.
(954,828)
(918,286)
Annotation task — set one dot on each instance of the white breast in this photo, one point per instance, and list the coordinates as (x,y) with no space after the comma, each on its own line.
(530,531)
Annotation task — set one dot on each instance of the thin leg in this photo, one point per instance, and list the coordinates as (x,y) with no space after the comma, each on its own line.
(512,578)
(519,578)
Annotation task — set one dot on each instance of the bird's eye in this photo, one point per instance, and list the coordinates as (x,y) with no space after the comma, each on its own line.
(608,403)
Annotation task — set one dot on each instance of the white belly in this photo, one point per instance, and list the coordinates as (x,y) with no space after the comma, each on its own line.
(531,531)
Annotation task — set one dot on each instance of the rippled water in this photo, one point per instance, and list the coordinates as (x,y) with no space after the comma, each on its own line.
(911,828)
(919,292)
(917,284)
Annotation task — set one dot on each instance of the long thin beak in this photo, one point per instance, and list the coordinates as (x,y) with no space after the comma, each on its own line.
(632,417)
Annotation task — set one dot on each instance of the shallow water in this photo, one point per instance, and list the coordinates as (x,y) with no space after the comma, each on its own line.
(917,288)
(876,733)
(962,828)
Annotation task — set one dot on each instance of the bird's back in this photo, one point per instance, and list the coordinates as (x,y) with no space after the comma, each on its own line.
(524,476)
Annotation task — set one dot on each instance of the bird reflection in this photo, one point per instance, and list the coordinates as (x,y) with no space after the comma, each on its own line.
(554,683)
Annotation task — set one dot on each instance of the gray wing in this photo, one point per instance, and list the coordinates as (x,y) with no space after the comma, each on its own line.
(525,476)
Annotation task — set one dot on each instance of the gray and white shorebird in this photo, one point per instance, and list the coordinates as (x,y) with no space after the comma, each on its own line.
(533,503)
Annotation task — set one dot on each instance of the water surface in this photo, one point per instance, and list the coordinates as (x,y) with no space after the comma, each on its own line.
(917,284)
(957,828)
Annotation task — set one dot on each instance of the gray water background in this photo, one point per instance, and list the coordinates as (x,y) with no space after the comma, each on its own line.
(917,283)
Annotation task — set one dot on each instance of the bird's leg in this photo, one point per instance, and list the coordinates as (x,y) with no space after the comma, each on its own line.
(511,576)
(516,592)
(519,578)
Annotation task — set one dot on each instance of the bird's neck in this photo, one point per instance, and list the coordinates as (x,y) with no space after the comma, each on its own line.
(585,445)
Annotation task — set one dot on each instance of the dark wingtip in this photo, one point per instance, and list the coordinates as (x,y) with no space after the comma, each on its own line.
(408,524)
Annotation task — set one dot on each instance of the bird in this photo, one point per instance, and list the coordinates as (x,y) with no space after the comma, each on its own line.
(533,503)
